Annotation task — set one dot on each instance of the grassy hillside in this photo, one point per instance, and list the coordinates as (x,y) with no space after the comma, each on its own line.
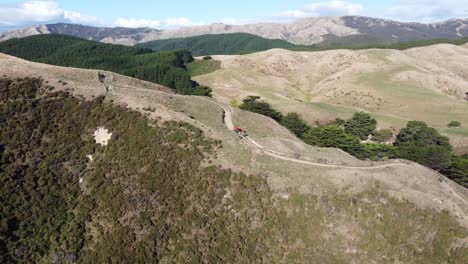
(201,67)
(150,196)
(243,43)
(427,84)
(165,68)
(219,44)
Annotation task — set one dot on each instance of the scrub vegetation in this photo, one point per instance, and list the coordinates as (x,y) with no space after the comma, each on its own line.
(149,195)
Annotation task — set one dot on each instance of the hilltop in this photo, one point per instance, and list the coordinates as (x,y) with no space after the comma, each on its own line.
(347,30)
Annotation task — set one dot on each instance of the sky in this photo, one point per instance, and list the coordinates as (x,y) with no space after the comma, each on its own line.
(177,13)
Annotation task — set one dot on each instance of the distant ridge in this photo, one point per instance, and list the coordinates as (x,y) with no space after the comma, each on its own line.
(320,30)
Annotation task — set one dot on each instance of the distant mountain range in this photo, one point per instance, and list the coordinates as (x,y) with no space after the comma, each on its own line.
(347,30)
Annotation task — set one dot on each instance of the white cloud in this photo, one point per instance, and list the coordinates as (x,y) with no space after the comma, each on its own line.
(166,23)
(77,17)
(31,12)
(329,8)
(428,10)
(38,11)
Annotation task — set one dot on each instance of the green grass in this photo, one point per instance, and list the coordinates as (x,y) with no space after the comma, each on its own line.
(462,131)
(203,67)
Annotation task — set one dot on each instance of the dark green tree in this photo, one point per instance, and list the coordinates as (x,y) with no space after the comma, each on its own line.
(454,124)
(383,135)
(361,125)
(458,170)
(333,136)
(295,123)
(423,144)
(254,104)
(166,68)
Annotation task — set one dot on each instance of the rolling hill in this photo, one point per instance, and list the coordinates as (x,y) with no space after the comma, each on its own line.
(166,68)
(427,83)
(347,30)
(241,43)
(174,184)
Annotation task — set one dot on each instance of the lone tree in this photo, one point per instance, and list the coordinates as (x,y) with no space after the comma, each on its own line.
(295,123)
(254,104)
(423,144)
(361,125)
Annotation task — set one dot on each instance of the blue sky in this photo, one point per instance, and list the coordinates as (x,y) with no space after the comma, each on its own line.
(176,13)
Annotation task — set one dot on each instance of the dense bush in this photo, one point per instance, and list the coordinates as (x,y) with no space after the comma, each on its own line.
(254,104)
(454,124)
(420,143)
(145,197)
(165,68)
(458,170)
(334,137)
(383,135)
(295,123)
(361,125)
(380,151)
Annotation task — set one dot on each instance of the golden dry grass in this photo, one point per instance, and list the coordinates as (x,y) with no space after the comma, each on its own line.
(426,84)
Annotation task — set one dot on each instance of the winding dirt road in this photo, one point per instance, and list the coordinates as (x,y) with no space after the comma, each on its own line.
(254,145)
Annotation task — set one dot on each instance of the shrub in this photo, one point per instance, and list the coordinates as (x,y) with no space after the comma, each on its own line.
(380,151)
(295,123)
(424,145)
(361,125)
(207,58)
(454,124)
(339,122)
(383,135)
(333,136)
(458,170)
(254,104)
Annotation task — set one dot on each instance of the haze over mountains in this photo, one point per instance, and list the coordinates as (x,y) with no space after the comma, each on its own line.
(352,30)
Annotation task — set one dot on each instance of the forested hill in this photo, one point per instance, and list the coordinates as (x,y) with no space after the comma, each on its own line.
(219,44)
(165,68)
(243,43)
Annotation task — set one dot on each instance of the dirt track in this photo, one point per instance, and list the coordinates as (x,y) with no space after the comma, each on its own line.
(254,145)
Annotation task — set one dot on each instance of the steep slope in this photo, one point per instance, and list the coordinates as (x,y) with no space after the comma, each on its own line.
(349,30)
(428,84)
(287,211)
